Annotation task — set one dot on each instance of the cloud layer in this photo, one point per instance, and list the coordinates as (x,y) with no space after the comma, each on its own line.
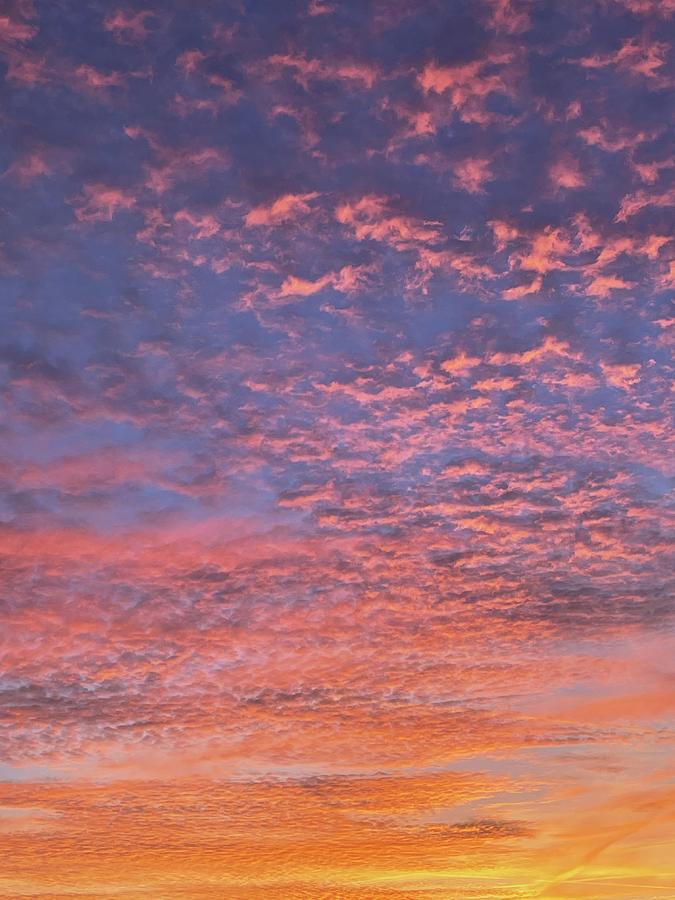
(336,521)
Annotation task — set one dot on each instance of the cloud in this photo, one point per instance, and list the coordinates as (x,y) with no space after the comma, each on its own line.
(509,16)
(100,203)
(469,87)
(335,509)
(33,164)
(127,26)
(472,174)
(632,204)
(16,30)
(306,70)
(566,173)
(89,77)
(370,218)
(287,208)
(639,58)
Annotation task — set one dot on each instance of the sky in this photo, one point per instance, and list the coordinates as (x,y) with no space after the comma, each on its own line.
(336,511)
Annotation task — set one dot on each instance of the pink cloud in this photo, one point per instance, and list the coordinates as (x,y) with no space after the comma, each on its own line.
(523,290)
(15,30)
(347,280)
(306,70)
(100,203)
(632,204)
(642,58)
(664,8)
(320,8)
(473,174)
(468,86)
(566,173)
(461,364)
(190,61)
(545,253)
(623,376)
(28,69)
(508,16)
(603,285)
(550,346)
(637,57)
(612,139)
(288,208)
(32,165)
(300,287)
(650,172)
(89,77)
(128,27)
(503,233)
(204,226)
(370,218)
(172,165)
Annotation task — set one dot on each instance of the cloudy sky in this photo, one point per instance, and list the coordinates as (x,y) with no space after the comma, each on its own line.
(336,375)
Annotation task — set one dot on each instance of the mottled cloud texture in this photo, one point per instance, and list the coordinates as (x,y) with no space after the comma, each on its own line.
(336,521)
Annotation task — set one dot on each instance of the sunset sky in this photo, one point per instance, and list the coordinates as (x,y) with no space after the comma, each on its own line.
(336,522)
